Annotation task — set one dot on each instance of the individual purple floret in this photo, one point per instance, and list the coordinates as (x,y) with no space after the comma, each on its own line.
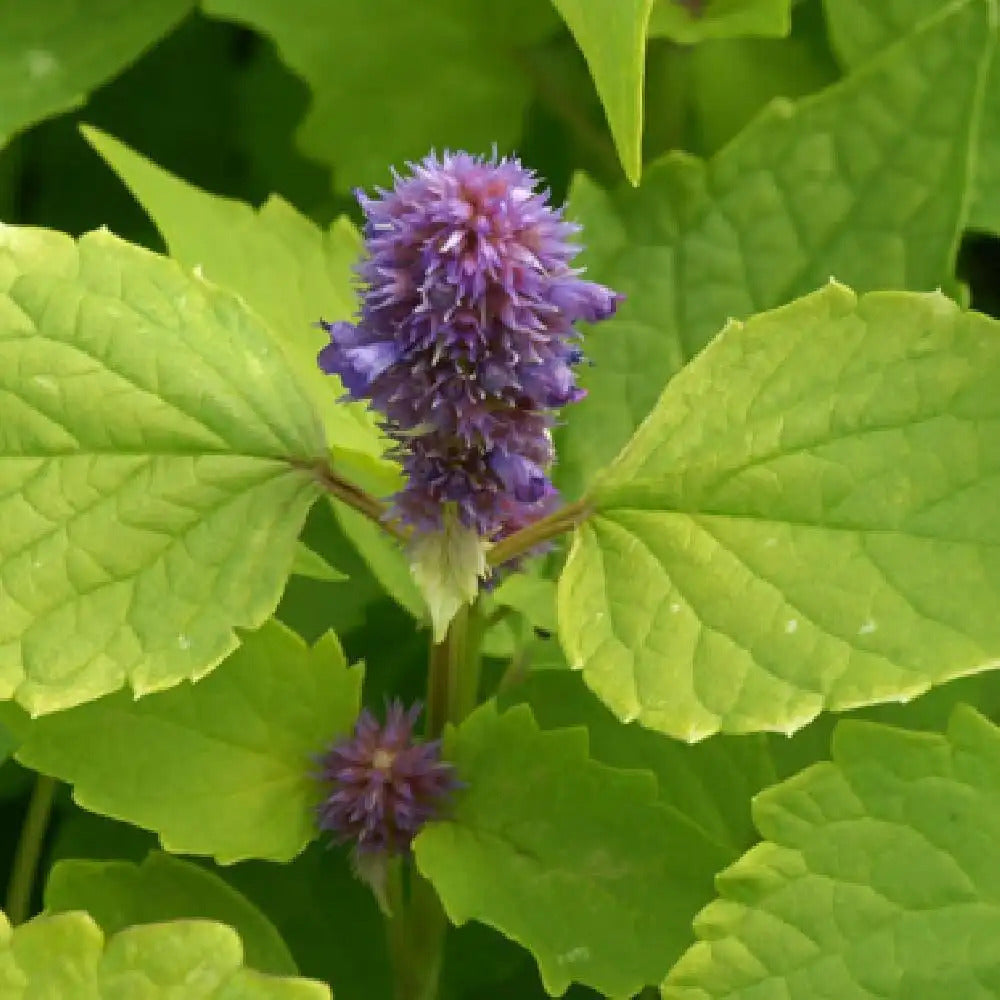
(465,341)
(384,787)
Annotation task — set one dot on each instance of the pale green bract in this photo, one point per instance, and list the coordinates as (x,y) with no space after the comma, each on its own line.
(866,181)
(806,521)
(448,566)
(51,54)
(156,463)
(574,860)
(224,767)
(67,956)
(877,877)
(119,894)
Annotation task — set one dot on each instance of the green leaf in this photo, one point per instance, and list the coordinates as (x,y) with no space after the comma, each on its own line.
(461,59)
(533,596)
(574,860)
(866,181)
(823,536)
(311,564)
(310,608)
(711,782)
(878,877)
(691,21)
(385,558)
(223,767)
(67,956)
(731,80)
(860,29)
(155,470)
(291,273)
(81,835)
(52,54)
(328,917)
(611,35)
(118,894)
(478,962)
(286,268)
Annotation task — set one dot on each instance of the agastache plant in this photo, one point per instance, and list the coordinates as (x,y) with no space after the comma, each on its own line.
(318,569)
(465,345)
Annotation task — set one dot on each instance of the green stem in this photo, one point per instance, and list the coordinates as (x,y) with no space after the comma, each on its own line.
(416,933)
(438,674)
(562,520)
(417,927)
(516,672)
(466,669)
(351,494)
(29,849)
(453,677)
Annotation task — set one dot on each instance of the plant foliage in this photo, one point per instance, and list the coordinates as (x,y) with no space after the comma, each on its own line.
(717,719)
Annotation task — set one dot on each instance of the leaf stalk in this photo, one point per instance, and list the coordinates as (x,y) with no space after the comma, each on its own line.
(29,850)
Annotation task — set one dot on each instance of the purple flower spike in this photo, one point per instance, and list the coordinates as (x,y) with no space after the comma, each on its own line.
(384,787)
(465,341)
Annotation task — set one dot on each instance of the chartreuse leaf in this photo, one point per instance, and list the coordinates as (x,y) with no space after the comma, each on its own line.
(573,859)
(328,918)
(118,894)
(878,877)
(66,955)
(155,460)
(860,29)
(291,273)
(462,59)
(819,536)
(52,54)
(865,181)
(288,270)
(223,767)
(690,21)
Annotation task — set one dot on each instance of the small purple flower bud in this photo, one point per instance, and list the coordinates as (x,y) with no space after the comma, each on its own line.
(520,476)
(465,340)
(383,786)
(359,363)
